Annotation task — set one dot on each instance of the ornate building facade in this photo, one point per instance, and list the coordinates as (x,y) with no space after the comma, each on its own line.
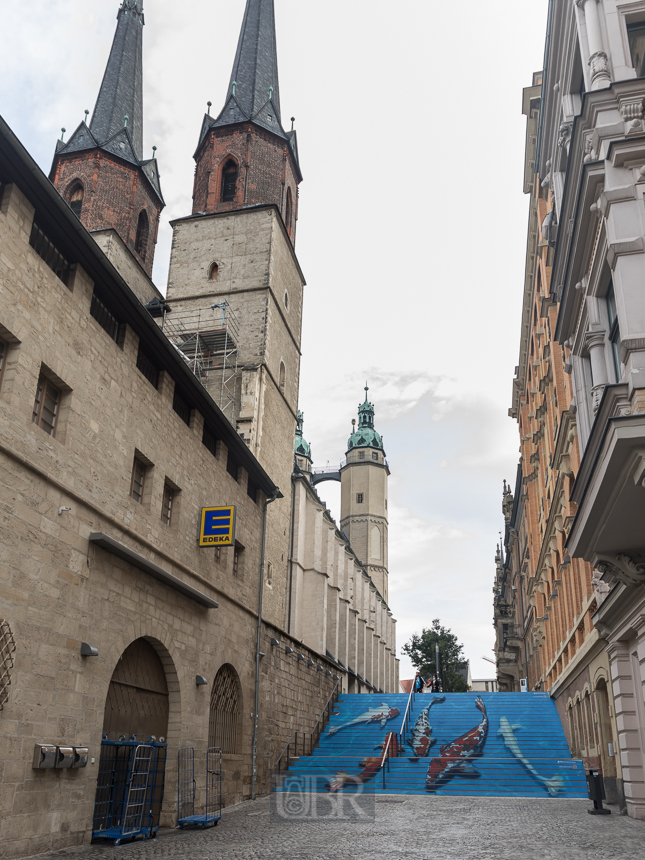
(587,617)
(126,417)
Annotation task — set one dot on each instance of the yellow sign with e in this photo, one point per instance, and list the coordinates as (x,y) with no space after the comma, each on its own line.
(217,526)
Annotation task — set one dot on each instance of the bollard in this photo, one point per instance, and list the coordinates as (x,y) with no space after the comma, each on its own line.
(596,792)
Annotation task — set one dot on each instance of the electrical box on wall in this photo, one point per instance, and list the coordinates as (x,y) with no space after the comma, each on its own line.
(524,685)
(44,756)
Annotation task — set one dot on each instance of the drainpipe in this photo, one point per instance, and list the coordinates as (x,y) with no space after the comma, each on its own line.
(276,495)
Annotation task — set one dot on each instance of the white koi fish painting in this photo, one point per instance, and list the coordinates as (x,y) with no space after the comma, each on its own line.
(507,731)
(373,715)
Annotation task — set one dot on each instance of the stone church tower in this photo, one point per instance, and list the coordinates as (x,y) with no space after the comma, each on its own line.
(100,170)
(363,517)
(238,247)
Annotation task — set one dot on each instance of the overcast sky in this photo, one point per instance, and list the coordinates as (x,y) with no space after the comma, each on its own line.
(411,234)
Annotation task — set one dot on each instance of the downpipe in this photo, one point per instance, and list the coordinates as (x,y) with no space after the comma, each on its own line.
(276,495)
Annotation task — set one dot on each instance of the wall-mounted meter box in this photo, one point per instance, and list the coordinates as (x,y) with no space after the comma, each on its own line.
(44,756)
(524,685)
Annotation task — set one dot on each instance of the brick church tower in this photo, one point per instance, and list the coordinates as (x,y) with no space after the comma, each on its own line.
(245,157)
(236,251)
(100,170)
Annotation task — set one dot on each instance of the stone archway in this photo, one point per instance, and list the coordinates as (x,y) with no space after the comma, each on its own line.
(137,700)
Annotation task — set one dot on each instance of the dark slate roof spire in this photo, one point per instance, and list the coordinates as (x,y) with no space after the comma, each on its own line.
(121,93)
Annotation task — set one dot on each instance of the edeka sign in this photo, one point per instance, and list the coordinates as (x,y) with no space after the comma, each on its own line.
(217,526)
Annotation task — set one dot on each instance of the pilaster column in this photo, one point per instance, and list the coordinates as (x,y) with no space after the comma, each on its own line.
(598,61)
(595,342)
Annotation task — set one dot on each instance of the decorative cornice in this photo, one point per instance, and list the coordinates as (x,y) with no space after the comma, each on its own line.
(619,567)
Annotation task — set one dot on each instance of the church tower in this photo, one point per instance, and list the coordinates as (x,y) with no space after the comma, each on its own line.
(236,251)
(363,516)
(244,156)
(100,170)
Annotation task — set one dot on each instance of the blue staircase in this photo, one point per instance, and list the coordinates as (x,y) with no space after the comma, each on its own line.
(482,744)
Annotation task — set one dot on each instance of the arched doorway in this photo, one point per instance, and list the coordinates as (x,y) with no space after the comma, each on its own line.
(137,700)
(226,709)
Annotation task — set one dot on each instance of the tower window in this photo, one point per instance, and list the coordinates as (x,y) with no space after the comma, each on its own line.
(75,198)
(359,498)
(143,229)
(288,211)
(283,375)
(46,406)
(213,272)
(229,181)
(374,455)
(361,455)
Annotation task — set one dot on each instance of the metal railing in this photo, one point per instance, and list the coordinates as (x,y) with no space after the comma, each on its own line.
(407,715)
(390,743)
(304,743)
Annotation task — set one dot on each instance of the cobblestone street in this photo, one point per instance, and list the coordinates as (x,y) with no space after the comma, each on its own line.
(419,828)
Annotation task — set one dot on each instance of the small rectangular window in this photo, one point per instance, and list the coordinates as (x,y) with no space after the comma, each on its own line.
(147,366)
(374,455)
(361,455)
(252,490)
(138,480)
(231,466)
(636,36)
(181,407)
(46,406)
(209,439)
(359,498)
(167,504)
(48,252)
(109,322)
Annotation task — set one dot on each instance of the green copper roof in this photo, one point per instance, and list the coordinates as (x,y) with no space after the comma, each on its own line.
(302,447)
(365,436)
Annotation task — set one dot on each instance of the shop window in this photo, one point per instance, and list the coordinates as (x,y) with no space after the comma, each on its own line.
(46,406)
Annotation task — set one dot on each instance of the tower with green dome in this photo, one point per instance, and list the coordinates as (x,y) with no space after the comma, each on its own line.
(302,448)
(364,475)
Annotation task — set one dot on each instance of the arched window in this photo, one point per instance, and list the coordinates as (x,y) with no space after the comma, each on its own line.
(229,181)
(224,725)
(288,211)
(143,228)
(213,272)
(75,198)
(283,375)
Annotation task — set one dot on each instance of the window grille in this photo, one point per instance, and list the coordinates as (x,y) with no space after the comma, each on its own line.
(46,406)
(167,504)
(231,466)
(7,648)
(138,480)
(359,498)
(147,366)
(100,311)
(224,724)
(181,407)
(229,182)
(209,439)
(48,252)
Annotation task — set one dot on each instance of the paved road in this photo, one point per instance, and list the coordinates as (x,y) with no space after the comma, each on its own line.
(410,828)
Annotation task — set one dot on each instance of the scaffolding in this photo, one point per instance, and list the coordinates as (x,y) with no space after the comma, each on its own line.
(207,339)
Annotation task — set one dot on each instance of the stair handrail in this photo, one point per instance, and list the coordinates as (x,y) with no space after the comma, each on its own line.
(386,755)
(408,711)
(318,728)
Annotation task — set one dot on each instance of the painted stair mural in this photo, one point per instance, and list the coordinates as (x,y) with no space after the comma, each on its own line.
(487,744)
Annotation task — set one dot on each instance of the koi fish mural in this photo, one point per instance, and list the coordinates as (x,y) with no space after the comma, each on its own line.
(374,715)
(455,759)
(507,731)
(422,738)
(371,766)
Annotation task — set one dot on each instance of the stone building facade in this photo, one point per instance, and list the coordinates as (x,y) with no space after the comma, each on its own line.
(113,619)
(590,162)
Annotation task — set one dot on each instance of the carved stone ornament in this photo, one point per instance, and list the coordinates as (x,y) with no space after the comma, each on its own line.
(599,65)
(632,114)
(620,568)
(600,587)
(589,153)
(564,133)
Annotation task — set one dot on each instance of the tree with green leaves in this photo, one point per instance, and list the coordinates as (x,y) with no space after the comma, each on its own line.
(421,650)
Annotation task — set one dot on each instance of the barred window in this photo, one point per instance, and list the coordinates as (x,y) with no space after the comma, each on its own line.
(7,648)
(46,249)
(167,504)
(181,407)
(147,366)
(359,498)
(105,317)
(209,439)
(46,406)
(138,480)
(225,711)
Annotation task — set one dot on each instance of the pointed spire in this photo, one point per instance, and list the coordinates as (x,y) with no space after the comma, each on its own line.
(121,93)
(254,79)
